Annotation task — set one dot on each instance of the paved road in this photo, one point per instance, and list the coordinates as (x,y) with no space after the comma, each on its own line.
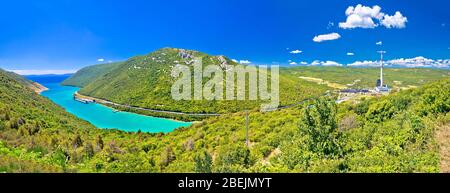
(102,101)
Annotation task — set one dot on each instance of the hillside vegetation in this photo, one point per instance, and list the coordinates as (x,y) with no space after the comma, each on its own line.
(87,75)
(365,78)
(146,81)
(388,134)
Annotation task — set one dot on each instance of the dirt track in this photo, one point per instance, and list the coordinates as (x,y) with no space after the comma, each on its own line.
(443,139)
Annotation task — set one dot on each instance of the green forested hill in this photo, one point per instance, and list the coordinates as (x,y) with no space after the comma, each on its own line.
(25,117)
(23,81)
(89,74)
(146,81)
(393,133)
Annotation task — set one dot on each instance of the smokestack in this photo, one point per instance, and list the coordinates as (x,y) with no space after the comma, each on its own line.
(381,68)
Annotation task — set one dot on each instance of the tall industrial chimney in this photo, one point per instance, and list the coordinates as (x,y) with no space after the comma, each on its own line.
(381,68)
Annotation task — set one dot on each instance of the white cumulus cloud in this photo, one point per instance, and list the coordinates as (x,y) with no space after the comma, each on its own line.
(245,62)
(326,37)
(315,63)
(330,63)
(395,21)
(296,52)
(325,63)
(362,16)
(350,54)
(293,63)
(364,64)
(379,43)
(100,60)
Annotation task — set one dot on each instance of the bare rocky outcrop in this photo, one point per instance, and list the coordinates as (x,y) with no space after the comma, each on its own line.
(185,54)
(224,63)
(38,88)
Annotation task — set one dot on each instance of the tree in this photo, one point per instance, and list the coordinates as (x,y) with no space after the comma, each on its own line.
(89,150)
(319,125)
(61,158)
(362,107)
(167,157)
(100,143)
(233,158)
(33,128)
(203,162)
(7,116)
(189,145)
(435,99)
(77,142)
(13,124)
(2,125)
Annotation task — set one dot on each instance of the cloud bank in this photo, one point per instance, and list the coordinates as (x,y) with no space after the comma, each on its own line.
(324,63)
(43,72)
(417,62)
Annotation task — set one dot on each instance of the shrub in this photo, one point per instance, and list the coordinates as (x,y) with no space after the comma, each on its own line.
(318,123)
(203,162)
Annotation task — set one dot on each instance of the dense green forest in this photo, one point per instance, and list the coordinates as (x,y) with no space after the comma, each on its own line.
(394,133)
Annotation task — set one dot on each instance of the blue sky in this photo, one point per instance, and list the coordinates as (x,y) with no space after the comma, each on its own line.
(65,35)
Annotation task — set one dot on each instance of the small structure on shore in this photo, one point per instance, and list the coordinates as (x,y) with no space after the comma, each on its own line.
(82,100)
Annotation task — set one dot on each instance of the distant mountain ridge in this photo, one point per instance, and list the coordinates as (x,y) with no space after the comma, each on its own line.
(89,74)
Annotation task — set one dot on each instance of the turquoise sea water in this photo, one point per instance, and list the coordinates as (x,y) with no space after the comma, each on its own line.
(105,117)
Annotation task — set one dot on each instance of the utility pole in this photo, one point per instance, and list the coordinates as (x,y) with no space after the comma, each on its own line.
(246,133)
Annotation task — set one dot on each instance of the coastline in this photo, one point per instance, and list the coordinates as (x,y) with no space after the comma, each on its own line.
(63,97)
(173,115)
(38,88)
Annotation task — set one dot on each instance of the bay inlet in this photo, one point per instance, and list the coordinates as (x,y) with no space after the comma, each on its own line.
(105,117)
